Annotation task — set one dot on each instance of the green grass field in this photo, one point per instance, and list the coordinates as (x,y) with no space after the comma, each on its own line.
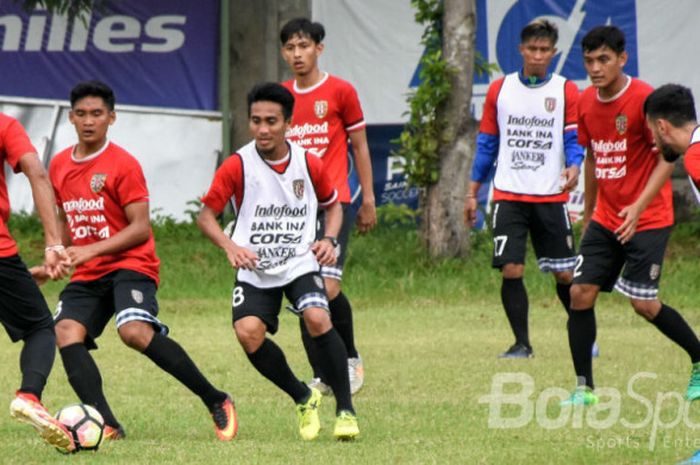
(429,335)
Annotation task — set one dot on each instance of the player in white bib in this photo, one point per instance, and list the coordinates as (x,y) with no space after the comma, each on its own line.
(277,187)
(529,132)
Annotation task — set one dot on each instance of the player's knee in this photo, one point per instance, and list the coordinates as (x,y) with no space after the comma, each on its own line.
(69,332)
(513,270)
(250,333)
(647,309)
(581,297)
(136,334)
(317,321)
(332,288)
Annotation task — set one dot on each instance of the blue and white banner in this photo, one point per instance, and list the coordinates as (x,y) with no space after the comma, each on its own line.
(152,53)
(376,46)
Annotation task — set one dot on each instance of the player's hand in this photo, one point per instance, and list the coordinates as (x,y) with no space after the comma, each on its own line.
(626,230)
(366,217)
(80,254)
(39,274)
(470,211)
(570,177)
(57,263)
(240,257)
(325,252)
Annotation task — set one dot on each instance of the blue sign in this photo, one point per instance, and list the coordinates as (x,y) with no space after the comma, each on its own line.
(152,53)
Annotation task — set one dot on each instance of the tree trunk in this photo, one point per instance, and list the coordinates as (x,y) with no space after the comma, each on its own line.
(443,230)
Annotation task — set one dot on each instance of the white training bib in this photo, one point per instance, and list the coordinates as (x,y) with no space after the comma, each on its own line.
(276,219)
(531,146)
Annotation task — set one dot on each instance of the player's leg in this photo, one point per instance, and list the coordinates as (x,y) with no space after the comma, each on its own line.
(597,267)
(640,282)
(255,312)
(510,227)
(553,241)
(26,317)
(136,309)
(307,294)
(83,311)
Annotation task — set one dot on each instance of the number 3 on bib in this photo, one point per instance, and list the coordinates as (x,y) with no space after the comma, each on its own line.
(238,297)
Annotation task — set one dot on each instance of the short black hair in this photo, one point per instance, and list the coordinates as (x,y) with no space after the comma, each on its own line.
(540,29)
(93,89)
(302,27)
(672,102)
(272,92)
(604,36)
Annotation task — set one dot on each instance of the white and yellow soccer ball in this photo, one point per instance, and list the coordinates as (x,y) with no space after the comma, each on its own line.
(85,424)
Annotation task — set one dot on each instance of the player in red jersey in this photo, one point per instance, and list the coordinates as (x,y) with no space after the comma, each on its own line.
(628,211)
(327,112)
(23,310)
(103,204)
(529,131)
(670,113)
(277,189)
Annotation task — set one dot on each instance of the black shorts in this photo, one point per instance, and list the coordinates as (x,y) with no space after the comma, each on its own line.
(23,308)
(550,232)
(306,291)
(602,258)
(349,216)
(129,295)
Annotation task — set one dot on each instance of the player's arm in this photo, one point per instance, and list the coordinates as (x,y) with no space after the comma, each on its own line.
(573,152)
(367,214)
(135,233)
(55,258)
(631,213)
(591,189)
(239,257)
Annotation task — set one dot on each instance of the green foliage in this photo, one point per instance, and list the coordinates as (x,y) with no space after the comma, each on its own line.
(420,139)
(69,8)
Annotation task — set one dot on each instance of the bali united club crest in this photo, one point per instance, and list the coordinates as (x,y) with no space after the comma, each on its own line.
(621,124)
(298,186)
(321,108)
(654,271)
(550,103)
(97,182)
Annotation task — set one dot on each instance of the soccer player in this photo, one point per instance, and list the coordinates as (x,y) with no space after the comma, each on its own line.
(670,113)
(327,112)
(103,206)
(277,188)
(529,130)
(628,211)
(23,310)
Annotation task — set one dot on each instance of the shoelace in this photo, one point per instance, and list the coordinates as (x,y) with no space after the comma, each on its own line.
(220,416)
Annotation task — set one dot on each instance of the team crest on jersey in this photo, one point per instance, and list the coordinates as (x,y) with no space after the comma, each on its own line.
(550,103)
(137,296)
(98,182)
(298,186)
(654,271)
(621,124)
(321,108)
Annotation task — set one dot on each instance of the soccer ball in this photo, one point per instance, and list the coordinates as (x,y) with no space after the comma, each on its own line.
(85,424)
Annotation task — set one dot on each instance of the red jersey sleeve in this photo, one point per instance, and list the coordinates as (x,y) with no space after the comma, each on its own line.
(571,94)
(489,119)
(326,192)
(692,162)
(15,142)
(351,111)
(131,186)
(227,183)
